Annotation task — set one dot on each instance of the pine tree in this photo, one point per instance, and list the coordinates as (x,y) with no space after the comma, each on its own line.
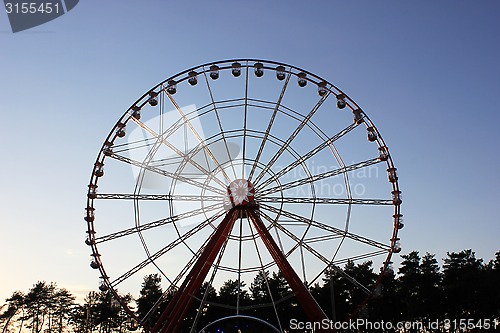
(409,276)
(461,278)
(430,291)
(15,307)
(150,293)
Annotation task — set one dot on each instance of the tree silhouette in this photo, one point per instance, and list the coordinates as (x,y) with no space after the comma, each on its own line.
(409,278)
(108,314)
(495,264)
(273,298)
(36,304)
(202,310)
(431,296)
(15,304)
(363,273)
(259,288)
(44,308)
(150,293)
(493,282)
(59,316)
(461,278)
(386,302)
(466,288)
(85,317)
(231,294)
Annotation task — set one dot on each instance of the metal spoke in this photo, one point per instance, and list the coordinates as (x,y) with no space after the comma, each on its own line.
(263,270)
(198,137)
(240,244)
(167,248)
(209,284)
(174,283)
(138,185)
(310,179)
(311,153)
(168,174)
(310,222)
(291,138)
(219,122)
(269,126)
(359,257)
(170,197)
(245,124)
(330,201)
(322,238)
(162,139)
(318,255)
(351,258)
(131,146)
(157,223)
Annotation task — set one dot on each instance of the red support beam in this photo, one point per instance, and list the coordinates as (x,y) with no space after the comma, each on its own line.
(311,308)
(172,317)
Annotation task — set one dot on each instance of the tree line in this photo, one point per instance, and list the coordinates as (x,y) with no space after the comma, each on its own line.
(465,287)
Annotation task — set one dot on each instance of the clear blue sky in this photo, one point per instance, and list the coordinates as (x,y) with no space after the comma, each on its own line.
(426,72)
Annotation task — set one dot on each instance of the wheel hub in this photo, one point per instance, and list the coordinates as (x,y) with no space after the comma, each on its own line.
(240,192)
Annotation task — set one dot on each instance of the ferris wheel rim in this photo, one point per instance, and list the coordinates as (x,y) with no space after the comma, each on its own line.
(203,69)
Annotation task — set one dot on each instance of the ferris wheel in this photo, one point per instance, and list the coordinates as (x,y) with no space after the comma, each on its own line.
(234,168)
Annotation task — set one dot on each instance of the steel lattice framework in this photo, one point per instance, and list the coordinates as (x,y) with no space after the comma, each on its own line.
(230,169)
